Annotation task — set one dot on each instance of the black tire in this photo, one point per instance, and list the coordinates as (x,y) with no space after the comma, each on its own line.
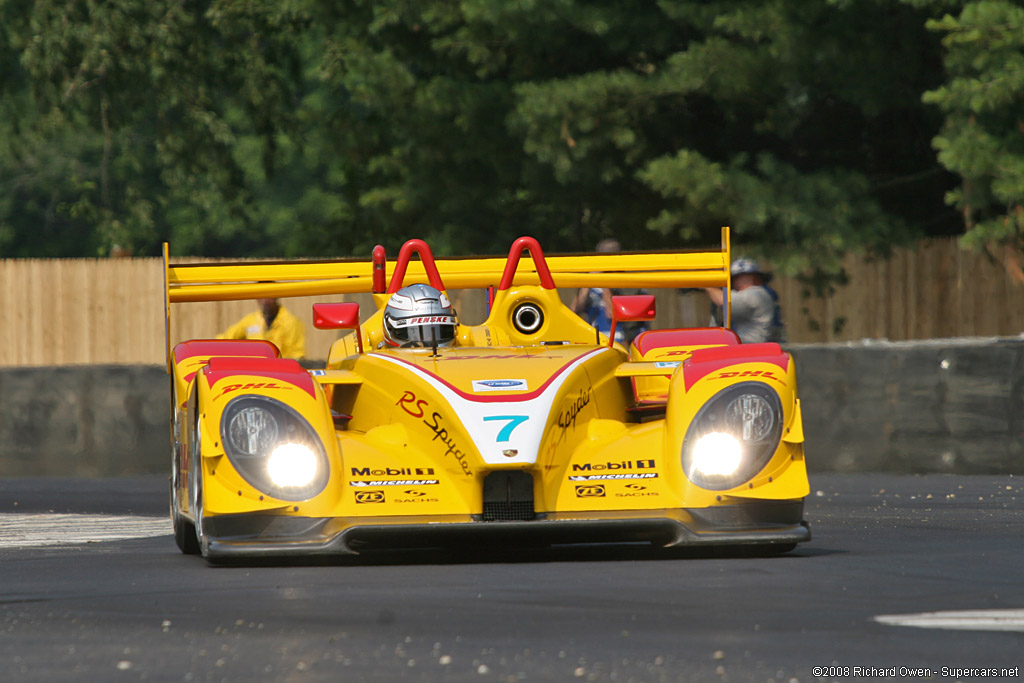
(184,530)
(196,490)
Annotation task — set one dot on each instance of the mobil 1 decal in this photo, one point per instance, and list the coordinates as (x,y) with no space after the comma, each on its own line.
(392,476)
(607,470)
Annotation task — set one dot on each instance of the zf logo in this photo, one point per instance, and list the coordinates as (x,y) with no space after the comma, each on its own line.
(590,491)
(369,496)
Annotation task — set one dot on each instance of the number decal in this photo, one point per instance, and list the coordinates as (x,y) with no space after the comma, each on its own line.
(513,422)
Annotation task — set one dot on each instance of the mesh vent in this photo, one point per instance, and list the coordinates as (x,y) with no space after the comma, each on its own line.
(508,497)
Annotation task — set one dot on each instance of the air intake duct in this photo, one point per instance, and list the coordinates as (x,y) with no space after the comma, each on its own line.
(508,497)
(527,318)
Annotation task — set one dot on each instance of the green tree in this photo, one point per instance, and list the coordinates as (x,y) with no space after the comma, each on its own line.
(166,101)
(325,127)
(982,139)
(797,122)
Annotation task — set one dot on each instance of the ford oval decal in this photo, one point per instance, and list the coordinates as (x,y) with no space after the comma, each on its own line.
(500,385)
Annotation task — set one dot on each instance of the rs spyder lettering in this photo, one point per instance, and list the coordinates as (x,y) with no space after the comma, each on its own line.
(417,408)
(449,441)
(567,418)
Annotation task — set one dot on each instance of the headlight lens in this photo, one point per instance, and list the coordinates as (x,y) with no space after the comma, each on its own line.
(717,455)
(733,436)
(291,465)
(274,448)
(253,430)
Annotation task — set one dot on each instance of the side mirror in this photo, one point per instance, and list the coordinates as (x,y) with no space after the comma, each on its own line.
(630,308)
(338,316)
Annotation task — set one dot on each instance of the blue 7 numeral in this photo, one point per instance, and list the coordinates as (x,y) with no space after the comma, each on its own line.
(513,422)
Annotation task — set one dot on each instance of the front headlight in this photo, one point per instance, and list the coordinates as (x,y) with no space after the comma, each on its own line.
(733,436)
(274,448)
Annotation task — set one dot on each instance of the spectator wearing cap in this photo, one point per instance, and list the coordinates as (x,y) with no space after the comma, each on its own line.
(755,312)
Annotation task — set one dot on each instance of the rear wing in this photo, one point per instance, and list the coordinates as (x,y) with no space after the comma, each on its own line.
(193,282)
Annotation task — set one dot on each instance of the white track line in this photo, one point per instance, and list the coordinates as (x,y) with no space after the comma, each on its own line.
(36,530)
(968,620)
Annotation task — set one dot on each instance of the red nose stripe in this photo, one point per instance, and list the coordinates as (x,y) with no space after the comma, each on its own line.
(283,370)
(705,361)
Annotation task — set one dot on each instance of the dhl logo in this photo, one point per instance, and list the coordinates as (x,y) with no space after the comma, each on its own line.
(762,374)
(252,385)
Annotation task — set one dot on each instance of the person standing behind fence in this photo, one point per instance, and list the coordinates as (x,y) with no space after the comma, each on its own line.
(594,304)
(755,312)
(274,323)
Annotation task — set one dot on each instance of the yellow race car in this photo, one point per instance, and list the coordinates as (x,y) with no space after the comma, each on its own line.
(532,427)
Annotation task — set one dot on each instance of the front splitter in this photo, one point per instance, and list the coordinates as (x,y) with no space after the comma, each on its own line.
(261,535)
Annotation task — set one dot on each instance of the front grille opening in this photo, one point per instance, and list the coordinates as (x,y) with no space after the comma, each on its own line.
(508,497)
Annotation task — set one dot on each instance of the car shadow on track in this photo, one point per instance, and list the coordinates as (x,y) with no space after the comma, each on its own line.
(625,552)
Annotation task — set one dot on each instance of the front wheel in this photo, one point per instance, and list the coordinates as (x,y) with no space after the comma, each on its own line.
(184,531)
(196,495)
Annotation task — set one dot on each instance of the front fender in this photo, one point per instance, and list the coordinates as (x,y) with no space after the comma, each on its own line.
(223,380)
(710,371)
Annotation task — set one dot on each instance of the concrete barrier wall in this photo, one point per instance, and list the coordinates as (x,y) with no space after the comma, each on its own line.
(951,406)
(84,420)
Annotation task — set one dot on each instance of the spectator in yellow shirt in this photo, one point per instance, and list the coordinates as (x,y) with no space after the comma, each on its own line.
(274,323)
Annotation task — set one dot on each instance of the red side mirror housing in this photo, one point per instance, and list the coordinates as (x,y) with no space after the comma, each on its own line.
(338,316)
(630,308)
(633,307)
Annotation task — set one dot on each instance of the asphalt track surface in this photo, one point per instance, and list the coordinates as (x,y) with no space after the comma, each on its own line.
(94,589)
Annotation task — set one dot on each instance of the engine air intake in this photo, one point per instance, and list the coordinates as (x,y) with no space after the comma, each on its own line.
(508,497)
(527,318)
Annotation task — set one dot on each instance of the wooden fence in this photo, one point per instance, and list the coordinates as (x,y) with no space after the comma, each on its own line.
(70,311)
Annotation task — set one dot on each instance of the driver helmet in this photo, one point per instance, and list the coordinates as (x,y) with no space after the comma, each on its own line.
(419,315)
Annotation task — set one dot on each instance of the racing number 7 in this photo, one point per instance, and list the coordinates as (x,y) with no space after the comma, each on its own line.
(513,422)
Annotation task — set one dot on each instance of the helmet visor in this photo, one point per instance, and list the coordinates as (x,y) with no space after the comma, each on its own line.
(423,330)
